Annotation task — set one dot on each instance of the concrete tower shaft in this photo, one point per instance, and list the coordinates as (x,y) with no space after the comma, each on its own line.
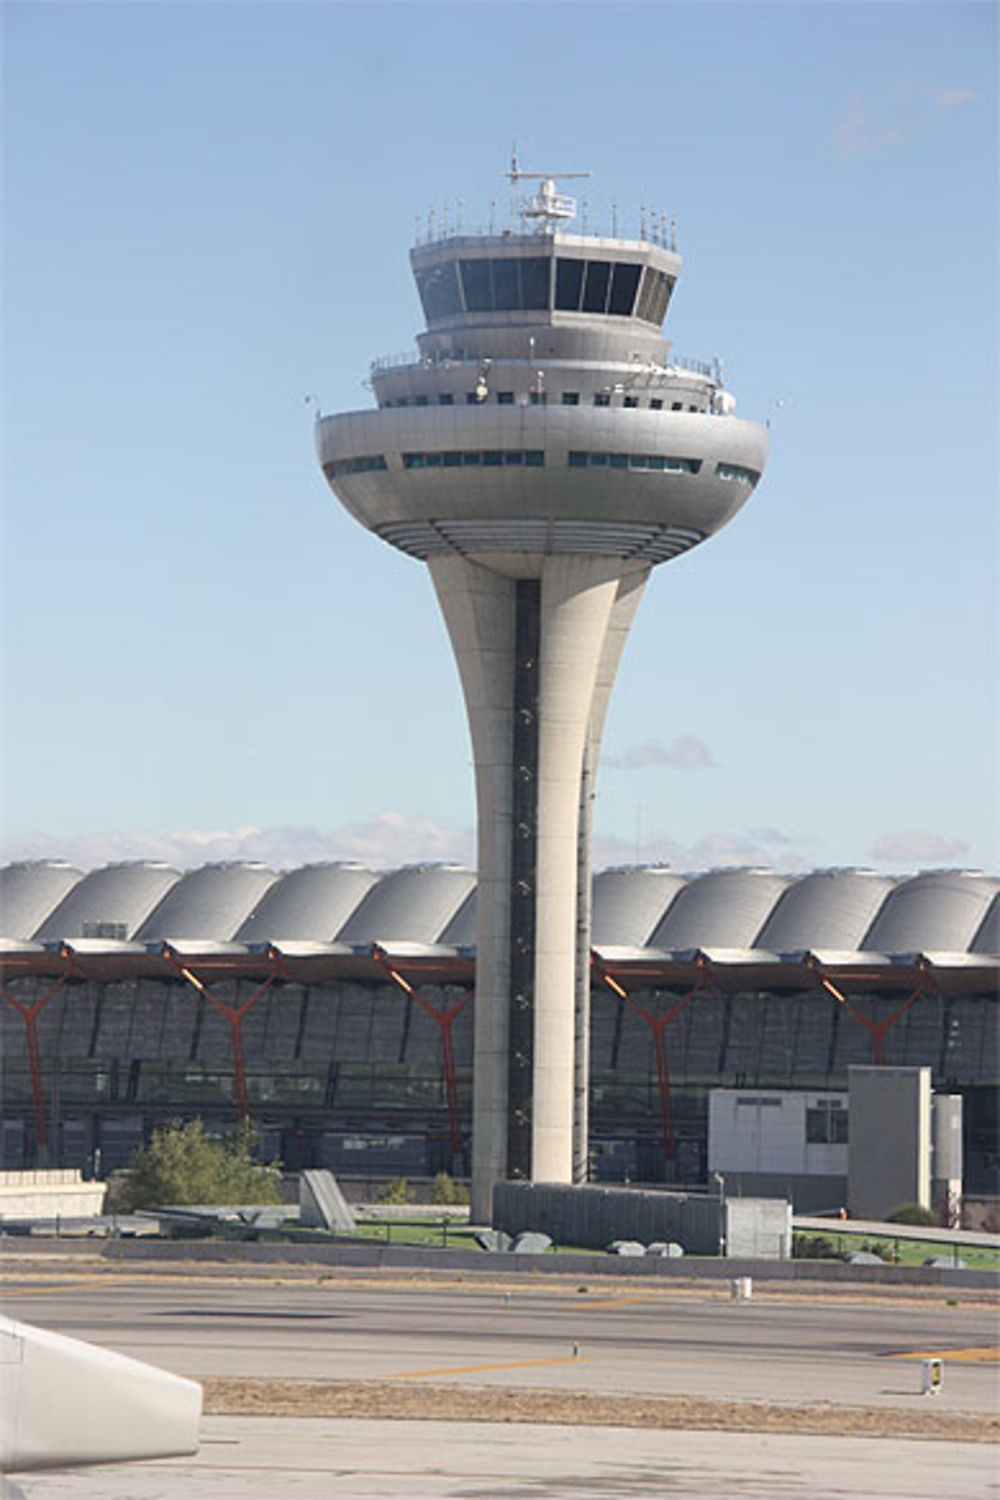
(541,452)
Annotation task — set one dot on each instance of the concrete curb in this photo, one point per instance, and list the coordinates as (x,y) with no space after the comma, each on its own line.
(479,1263)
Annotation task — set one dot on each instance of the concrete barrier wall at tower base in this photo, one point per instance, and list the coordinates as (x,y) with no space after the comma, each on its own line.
(592,1217)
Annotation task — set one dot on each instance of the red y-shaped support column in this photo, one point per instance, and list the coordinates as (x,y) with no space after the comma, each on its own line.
(443,1020)
(877,1030)
(234,1015)
(29,1015)
(658,1026)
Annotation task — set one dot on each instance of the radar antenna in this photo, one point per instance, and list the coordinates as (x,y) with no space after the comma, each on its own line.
(547,206)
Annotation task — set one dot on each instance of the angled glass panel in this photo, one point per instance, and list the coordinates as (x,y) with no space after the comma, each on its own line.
(438,288)
(647,295)
(506,287)
(595,289)
(664,286)
(624,283)
(535,278)
(569,284)
(476,284)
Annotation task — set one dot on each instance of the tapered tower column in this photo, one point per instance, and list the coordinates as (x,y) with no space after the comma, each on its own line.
(578,595)
(535,708)
(541,453)
(629,593)
(479,611)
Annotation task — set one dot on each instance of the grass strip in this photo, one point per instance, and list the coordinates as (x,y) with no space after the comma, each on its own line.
(237,1396)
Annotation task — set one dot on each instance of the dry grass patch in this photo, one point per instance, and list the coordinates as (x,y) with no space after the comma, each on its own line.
(225,1396)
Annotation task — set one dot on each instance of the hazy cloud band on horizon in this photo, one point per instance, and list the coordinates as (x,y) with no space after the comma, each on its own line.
(392,839)
(685,753)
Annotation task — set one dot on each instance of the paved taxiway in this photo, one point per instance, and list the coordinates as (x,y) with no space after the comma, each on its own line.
(690,1341)
(252,1459)
(781,1346)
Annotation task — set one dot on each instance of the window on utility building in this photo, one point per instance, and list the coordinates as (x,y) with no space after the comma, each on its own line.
(826,1123)
(571,398)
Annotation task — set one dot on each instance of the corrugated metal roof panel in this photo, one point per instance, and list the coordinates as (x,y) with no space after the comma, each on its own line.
(461,930)
(629,904)
(311,904)
(943,910)
(415,904)
(852,914)
(211,903)
(29,893)
(725,909)
(987,939)
(111,903)
(827,909)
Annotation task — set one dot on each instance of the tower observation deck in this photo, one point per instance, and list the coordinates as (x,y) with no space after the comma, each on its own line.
(541,452)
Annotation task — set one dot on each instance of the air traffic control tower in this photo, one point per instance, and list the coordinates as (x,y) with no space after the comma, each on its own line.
(541,452)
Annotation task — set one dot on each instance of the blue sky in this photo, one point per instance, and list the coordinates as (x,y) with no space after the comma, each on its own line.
(208,210)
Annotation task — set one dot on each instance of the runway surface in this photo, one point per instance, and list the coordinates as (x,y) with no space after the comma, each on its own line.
(593,1340)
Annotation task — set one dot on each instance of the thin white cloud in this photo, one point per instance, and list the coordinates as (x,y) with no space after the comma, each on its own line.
(918,846)
(768,848)
(685,753)
(894,116)
(385,842)
(393,839)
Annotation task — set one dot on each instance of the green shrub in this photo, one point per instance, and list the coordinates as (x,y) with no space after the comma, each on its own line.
(397,1190)
(914,1213)
(182,1165)
(447,1191)
(813,1247)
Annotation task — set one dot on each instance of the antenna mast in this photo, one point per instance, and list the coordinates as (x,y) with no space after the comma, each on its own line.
(548,206)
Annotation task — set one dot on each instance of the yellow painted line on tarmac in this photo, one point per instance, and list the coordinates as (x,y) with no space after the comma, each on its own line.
(986,1354)
(35,1291)
(108,1279)
(515,1364)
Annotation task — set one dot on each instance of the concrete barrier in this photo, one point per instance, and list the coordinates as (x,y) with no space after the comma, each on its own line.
(49,1195)
(375,1256)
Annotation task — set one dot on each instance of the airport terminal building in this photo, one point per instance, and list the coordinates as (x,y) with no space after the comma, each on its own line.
(334,1005)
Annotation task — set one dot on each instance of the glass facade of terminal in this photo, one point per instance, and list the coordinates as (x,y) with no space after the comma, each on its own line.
(352,1075)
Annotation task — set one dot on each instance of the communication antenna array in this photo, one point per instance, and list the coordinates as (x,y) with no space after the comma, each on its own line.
(548,207)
